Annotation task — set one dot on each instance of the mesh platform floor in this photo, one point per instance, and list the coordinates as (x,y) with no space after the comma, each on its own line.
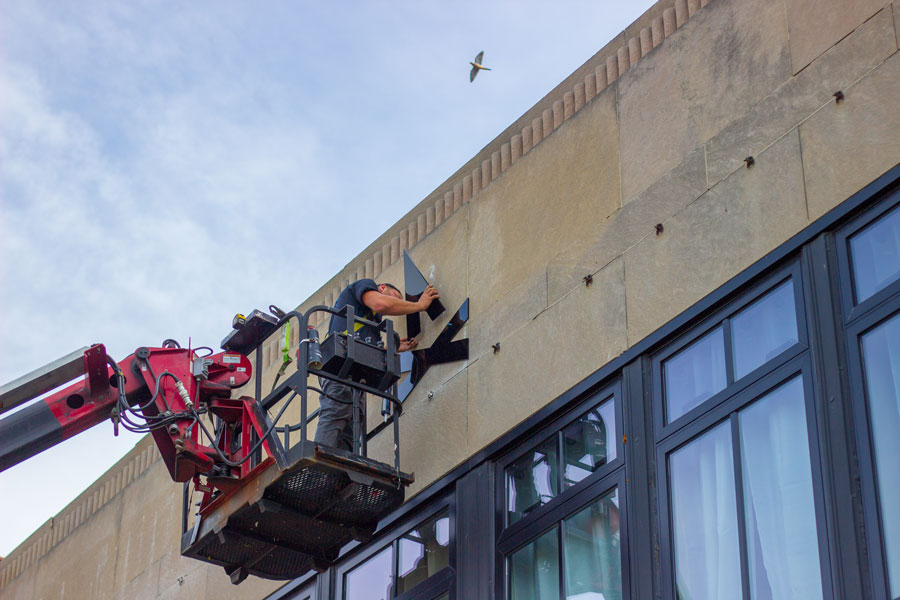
(303,520)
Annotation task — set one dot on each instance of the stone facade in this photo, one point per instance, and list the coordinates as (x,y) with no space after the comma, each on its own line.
(654,129)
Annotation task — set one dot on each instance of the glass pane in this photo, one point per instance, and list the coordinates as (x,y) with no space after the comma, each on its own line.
(704,518)
(531,480)
(589,443)
(764,329)
(424,551)
(371,580)
(443,596)
(593,556)
(881,356)
(875,255)
(782,546)
(694,374)
(534,570)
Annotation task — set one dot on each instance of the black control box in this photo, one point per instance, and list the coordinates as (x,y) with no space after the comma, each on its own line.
(369,364)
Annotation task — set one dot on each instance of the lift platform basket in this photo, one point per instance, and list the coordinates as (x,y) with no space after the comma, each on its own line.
(283,522)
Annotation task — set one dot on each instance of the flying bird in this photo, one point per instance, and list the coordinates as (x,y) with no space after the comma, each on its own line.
(476,66)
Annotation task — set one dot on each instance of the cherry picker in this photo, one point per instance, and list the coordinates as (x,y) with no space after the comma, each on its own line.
(269,506)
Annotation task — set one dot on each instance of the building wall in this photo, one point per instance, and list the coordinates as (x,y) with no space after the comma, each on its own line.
(654,129)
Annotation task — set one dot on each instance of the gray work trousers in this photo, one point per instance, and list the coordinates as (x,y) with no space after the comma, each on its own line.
(335,423)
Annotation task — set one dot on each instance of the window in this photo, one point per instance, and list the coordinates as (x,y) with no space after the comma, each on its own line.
(739,491)
(423,552)
(563,498)
(743,510)
(868,249)
(591,552)
(695,374)
(881,364)
(764,330)
(561,460)
(421,556)
(740,341)
(875,256)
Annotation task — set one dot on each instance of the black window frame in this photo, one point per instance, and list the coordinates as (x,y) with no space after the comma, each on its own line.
(859,319)
(727,411)
(852,310)
(556,519)
(722,317)
(444,581)
(568,501)
(591,400)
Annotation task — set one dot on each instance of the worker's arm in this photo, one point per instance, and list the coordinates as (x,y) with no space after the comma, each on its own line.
(394,307)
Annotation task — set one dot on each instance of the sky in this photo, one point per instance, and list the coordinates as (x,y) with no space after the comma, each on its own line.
(165,165)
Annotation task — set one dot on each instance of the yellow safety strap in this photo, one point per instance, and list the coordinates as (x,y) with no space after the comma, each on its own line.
(285,350)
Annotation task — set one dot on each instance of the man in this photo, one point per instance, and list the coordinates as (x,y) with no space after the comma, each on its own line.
(370,301)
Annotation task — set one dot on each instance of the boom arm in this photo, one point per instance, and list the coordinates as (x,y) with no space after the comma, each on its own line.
(163,391)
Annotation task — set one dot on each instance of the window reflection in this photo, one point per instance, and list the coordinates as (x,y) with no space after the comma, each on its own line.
(531,481)
(881,358)
(424,551)
(372,580)
(780,516)
(534,570)
(694,374)
(593,555)
(704,518)
(875,255)
(589,442)
(764,329)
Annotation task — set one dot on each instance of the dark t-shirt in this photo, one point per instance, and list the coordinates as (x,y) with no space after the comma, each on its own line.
(352,294)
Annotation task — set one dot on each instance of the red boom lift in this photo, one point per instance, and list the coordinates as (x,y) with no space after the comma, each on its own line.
(274,514)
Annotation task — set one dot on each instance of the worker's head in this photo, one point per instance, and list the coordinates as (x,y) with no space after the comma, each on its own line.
(390,290)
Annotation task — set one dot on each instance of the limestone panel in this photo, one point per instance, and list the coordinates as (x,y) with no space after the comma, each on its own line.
(175,569)
(22,587)
(816,25)
(523,219)
(627,226)
(848,144)
(735,223)
(724,60)
(189,586)
(143,585)
(561,346)
(897,21)
(494,323)
(864,49)
(151,520)
(432,433)
(83,564)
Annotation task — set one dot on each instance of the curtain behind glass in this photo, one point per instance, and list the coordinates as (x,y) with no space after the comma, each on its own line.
(780,516)
(881,357)
(704,518)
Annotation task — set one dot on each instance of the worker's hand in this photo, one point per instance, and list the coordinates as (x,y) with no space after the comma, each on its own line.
(428,296)
(407,344)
